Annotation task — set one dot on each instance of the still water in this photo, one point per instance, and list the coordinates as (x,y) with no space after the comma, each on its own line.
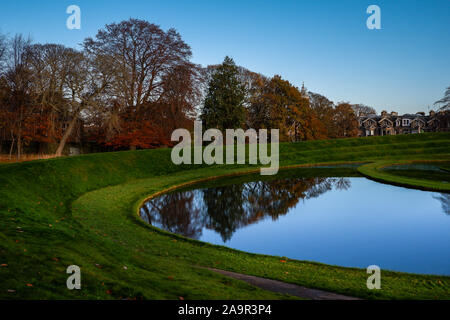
(352,222)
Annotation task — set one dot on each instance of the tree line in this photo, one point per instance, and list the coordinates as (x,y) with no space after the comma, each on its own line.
(133,83)
(239,98)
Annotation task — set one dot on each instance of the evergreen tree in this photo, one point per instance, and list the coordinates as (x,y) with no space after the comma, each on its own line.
(223,107)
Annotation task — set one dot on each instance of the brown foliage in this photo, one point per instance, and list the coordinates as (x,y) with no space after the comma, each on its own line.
(278,104)
(132,85)
(346,123)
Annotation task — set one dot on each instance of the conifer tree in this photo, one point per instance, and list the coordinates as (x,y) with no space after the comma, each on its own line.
(223,107)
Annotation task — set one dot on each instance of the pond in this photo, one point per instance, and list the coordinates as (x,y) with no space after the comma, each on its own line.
(353,222)
(419,171)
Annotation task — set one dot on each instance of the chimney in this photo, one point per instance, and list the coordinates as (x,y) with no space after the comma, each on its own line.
(394,114)
(383,113)
(432,113)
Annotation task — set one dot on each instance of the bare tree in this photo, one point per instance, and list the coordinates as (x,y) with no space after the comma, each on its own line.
(49,72)
(362,110)
(147,65)
(140,54)
(445,101)
(69,82)
(86,82)
(3,48)
(19,85)
(180,96)
(3,127)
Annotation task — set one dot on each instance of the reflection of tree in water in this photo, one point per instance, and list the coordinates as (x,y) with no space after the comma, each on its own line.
(226,209)
(444,198)
(231,207)
(175,212)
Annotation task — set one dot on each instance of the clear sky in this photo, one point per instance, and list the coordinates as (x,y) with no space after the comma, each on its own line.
(405,66)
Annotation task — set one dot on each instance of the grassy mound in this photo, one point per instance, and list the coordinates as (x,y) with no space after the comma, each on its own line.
(425,179)
(82,210)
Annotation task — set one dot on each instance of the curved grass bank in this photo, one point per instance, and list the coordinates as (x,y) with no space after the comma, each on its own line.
(82,210)
(420,181)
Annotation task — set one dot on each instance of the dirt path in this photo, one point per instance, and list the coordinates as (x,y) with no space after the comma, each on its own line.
(283,287)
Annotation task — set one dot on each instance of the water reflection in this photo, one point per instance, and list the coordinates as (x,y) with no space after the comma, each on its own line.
(227,209)
(175,212)
(444,198)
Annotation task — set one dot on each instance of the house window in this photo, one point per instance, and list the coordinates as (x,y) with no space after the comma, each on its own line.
(397,123)
(406,122)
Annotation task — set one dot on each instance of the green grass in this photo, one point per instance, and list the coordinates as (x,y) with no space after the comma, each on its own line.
(83,211)
(427,171)
(432,180)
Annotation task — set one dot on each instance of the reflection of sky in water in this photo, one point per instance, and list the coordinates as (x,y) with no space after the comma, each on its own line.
(367,223)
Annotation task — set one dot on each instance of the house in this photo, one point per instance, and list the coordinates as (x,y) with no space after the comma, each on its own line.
(392,123)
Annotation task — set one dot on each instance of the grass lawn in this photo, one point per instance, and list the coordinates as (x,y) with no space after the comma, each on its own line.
(407,173)
(426,174)
(83,211)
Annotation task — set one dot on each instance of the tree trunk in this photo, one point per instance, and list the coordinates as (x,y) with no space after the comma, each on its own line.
(19,144)
(12,146)
(66,136)
(19,147)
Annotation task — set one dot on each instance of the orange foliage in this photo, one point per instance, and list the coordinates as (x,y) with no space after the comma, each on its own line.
(138,134)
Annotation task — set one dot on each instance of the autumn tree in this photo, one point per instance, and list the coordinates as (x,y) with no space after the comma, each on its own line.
(286,108)
(223,107)
(69,82)
(181,94)
(307,124)
(17,91)
(278,99)
(134,83)
(49,69)
(323,108)
(259,107)
(44,71)
(346,123)
(142,57)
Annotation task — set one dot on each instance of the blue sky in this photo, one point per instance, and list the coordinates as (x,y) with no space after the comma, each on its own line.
(405,66)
